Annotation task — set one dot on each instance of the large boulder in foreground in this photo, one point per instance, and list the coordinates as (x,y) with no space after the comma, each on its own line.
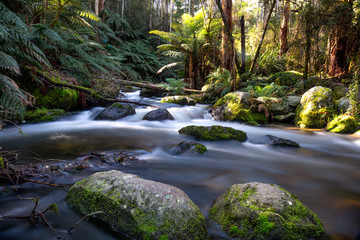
(264,211)
(181,100)
(159,114)
(116,111)
(316,107)
(213,133)
(343,124)
(138,208)
(237,106)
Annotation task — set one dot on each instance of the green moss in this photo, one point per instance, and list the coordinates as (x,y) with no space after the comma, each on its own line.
(214,133)
(343,124)
(288,78)
(61,98)
(43,114)
(200,148)
(247,193)
(264,225)
(181,100)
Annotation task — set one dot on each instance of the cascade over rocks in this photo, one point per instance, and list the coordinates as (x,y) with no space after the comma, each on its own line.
(213,133)
(274,141)
(264,211)
(316,107)
(159,114)
(116,111)
(138,208)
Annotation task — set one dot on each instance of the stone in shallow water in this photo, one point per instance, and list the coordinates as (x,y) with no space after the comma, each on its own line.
(190,147)
(213,133)
(264,211)
(116,111)
(158,115)
(138,208)
(274,141)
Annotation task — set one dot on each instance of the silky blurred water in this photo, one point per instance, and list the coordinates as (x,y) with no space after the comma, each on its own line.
(324,173)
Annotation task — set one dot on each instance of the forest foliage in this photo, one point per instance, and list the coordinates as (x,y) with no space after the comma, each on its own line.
(155,40)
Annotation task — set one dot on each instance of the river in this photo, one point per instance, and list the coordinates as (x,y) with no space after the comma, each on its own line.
(324,172)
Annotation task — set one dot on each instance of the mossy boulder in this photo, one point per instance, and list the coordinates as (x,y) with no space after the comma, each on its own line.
(43,115)
(264,211)
(343,124)
(116,111)
(288,78)
(181,100)
(58,98)
(138,208)
(281,109)
(186,147)
(316,108)
(238,106)
(214,133)
(159,114)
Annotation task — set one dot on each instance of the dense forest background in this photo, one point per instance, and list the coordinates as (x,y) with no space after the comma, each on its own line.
(215,46)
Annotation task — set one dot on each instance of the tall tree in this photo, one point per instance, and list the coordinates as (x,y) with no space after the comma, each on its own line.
(339,39)
(227,52)
(284,28)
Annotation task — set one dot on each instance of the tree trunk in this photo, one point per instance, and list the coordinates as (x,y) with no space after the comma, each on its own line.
(123,9)
(227,28)
(226,45)
(171,14)
(97,7)
(284,28)
(151,15)
(243,56)
(308,21)
(339,40)
(262,38)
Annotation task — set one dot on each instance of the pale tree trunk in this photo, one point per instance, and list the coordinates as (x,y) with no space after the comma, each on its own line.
(262,38)
(97,7)
(192,7)
(308,20)
(265,11)
(284,28)
(226,45)
(171,14)
(123,9)
(151,14)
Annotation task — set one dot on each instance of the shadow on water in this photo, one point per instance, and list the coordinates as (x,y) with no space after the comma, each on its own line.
(324,173)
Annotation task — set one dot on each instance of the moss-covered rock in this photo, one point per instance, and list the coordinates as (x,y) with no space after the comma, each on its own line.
(190,147)
(343,124)
(288,78)
(138,208)
(237,107)
(264,211)
(181,100)
(281,109)
(214,133)
(43,115)
(116,111)
(58,98)
(316,108)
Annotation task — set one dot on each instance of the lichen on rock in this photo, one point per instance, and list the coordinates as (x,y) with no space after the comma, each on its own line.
(213,133)
(138,208)
(181,100)
(343,124)
(316,108)
(264,211)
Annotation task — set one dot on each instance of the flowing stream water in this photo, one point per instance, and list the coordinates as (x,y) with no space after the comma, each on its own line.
(324,172)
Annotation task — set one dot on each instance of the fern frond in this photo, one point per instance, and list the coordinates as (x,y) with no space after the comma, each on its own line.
(9,63)
(170,65)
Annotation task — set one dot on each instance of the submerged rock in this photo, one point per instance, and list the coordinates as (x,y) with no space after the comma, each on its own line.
(116,111)
(213,133)
(264,211)
(237,107)
(343,124)
(181,100)
(274,141)
(159,114)
(316,108)
(190,147)
(138,208)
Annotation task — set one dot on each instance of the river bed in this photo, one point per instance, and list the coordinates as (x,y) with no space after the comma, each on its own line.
(324,172)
